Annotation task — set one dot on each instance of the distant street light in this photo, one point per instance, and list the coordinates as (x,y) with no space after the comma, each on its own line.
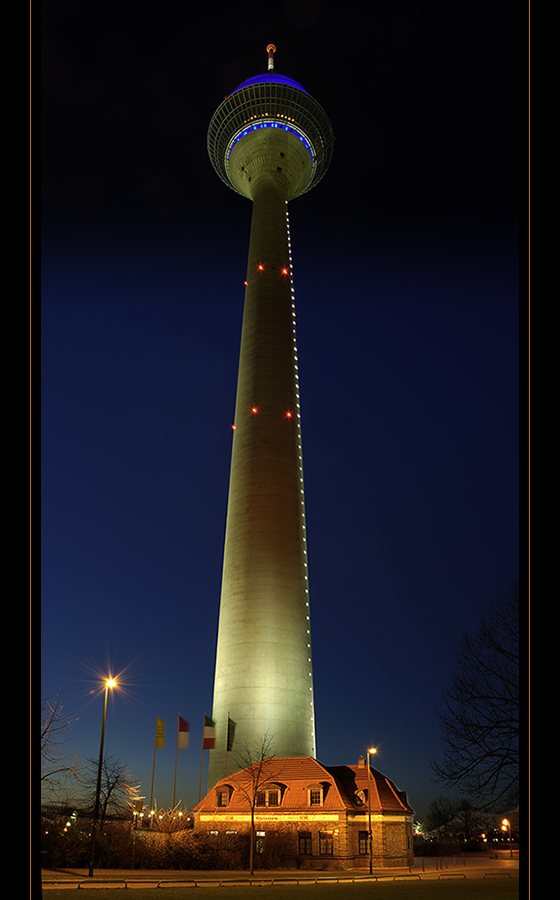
(370,836)
(506,827)
(110,683)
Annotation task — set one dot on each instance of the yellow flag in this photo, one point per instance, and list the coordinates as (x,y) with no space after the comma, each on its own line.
(160,733)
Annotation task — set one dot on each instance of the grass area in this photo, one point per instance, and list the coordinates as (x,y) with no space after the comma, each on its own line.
(495,888)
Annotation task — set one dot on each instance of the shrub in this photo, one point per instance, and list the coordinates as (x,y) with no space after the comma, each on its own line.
(118,846)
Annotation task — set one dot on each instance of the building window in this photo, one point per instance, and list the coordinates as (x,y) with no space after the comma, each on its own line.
(305,843)
(223,794)
(315,795)
(325,843)
(268,797)
(363,843)
(259,841)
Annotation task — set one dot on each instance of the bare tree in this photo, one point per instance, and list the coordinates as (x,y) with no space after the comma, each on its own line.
(118,793)
(469,821)
(56,762)
(480,715)
(254,761)
(441,812)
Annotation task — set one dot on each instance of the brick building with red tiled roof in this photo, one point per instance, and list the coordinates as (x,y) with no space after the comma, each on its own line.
(323,811)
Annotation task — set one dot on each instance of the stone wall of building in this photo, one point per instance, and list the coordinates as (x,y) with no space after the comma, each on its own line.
(316,842)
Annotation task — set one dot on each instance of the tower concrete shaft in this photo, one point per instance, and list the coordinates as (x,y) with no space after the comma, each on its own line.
(263,141)
(263,674)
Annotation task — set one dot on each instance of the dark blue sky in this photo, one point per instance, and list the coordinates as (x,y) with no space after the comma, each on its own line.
(406,264)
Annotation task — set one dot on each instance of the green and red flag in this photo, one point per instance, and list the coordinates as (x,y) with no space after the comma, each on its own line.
(209,735)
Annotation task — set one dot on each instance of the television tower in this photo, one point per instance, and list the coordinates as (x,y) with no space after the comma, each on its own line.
(269,141)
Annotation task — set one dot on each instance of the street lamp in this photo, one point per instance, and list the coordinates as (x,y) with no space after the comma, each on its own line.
(506,827)
(370,837)
(110,683)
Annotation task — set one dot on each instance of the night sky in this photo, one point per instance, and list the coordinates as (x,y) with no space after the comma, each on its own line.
(406,271)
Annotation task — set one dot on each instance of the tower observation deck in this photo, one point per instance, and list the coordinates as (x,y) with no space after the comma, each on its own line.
(269,141)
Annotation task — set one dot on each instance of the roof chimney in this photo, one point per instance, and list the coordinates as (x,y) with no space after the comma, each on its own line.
(361,763)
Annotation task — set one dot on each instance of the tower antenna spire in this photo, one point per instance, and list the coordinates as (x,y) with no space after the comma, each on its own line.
(271,50)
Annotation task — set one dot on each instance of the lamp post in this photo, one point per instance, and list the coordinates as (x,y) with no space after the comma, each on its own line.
(110,683)
(370,836)
(506,827)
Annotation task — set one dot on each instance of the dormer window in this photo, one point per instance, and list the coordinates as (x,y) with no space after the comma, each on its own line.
(315,794)
(269,795)
(223,795)
(359,798)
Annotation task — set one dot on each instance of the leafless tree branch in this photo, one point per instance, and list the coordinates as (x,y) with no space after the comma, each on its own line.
(479,716)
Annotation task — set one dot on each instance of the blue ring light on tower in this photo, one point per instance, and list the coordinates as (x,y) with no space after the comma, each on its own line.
(271,78)
(270,123)
(253,111)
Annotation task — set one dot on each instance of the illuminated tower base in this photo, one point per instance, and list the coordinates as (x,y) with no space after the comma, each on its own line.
(270,140)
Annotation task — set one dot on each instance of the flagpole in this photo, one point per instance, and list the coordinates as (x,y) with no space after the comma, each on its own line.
(201,760)
(227,743)
(153,777)
(158,742)
(176,755)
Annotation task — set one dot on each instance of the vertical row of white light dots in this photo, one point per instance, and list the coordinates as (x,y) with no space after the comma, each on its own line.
(300,465)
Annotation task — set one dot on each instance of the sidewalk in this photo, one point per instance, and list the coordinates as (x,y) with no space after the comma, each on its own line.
(477,866)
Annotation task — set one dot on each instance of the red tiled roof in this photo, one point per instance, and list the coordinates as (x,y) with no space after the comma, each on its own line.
(340,784)
(384,795)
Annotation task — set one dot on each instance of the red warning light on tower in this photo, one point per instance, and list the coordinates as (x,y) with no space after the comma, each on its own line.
(254,410)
